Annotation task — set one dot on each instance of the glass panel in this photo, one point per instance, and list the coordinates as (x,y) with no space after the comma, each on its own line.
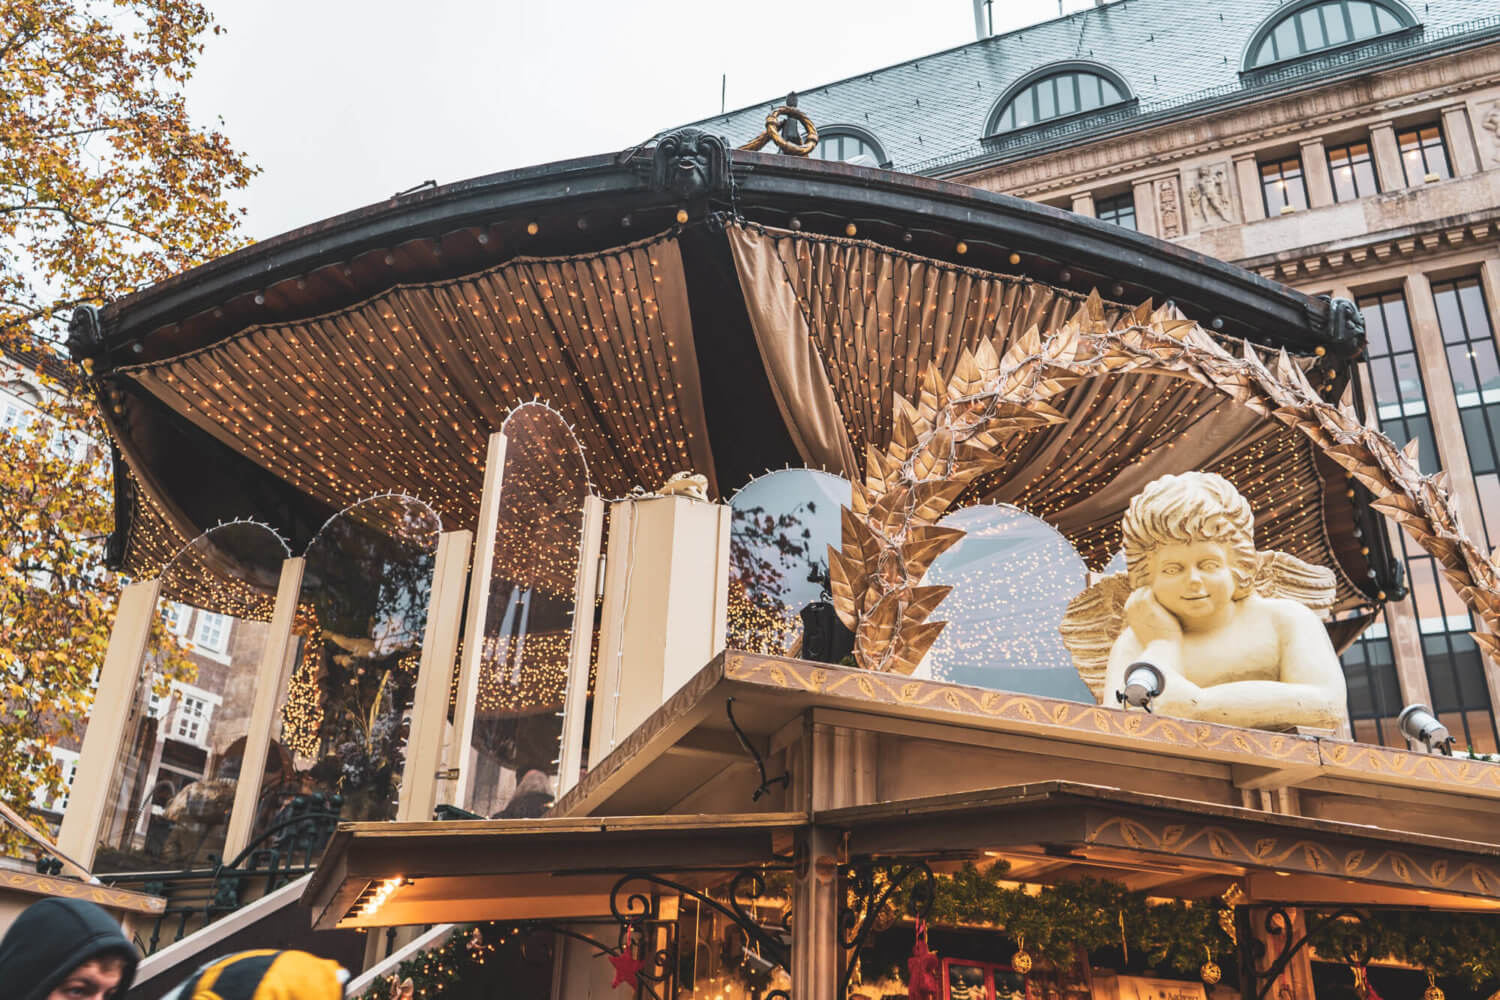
(523,667)
(174,784)
(782,525)
(1012,577)
(1284,38)
(1362,17)
(1091,90)
(361,615)
(1333,24)
(1067,94)
(1312,30)
(1046,92)
(967,982)
(1109,93)
(1385,20)
(1265,54)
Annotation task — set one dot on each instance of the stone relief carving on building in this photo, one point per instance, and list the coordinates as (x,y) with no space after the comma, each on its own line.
(1208,198)
(1491,124)
(1169,208)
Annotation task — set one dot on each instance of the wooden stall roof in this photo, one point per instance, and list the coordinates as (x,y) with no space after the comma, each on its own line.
(1047,832)
(1054,830)
(688,742)
(42,886)
(522,869)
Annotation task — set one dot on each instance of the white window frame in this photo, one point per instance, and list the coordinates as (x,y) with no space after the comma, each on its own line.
(208,619)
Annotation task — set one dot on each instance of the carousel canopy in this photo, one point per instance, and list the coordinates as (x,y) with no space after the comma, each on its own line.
(683,306)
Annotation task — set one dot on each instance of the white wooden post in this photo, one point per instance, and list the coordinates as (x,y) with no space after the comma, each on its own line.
(91,796)
(429,709)
(456,756)
(271,675)
(580,646)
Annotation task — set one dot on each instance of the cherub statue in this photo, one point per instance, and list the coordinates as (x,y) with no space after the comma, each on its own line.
(1234,632)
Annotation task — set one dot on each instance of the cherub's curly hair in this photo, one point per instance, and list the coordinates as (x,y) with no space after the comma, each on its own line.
(1191,507)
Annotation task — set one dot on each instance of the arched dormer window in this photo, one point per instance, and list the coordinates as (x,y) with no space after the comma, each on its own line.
(848,144)
(1315,25)
(1057,92)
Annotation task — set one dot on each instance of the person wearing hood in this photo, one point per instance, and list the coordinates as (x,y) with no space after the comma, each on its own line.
(66,949)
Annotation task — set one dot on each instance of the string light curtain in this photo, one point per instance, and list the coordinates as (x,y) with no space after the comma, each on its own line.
(845,325)
(401,391)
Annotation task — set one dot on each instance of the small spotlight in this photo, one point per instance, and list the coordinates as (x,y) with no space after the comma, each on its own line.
(1143,681)
(1419,724)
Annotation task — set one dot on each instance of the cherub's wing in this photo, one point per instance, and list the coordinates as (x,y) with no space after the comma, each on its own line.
(1090,626)
(1278,574)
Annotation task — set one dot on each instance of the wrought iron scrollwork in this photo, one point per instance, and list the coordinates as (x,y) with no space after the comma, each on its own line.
(872,894)
(766,784)
(1278,923)
(629,907)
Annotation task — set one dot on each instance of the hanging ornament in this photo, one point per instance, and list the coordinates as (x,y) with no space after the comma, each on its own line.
(1210,971)
(1021,961)
(1362,984)
(922,968)
(475,944)
(1433,990)
(627,967)
(402,989)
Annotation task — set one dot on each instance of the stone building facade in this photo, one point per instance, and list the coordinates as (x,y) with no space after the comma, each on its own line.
(1343,147)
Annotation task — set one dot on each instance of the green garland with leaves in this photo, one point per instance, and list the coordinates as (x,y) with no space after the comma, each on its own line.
(1090,913)
(1462,946)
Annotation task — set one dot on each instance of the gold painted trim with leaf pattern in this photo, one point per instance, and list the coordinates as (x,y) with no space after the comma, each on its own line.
(1409,868)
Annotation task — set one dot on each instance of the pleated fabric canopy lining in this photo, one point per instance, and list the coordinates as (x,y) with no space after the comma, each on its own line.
(844,326)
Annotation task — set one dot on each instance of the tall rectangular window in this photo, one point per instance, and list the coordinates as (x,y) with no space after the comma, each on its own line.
(1120,210)
(1455,673)
(1282,186)
(1352,171)
(1469,343)
(1374,691)
(1423,155)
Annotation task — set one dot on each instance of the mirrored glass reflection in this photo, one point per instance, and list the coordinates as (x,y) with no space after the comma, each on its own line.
(782,525)
(1012,577)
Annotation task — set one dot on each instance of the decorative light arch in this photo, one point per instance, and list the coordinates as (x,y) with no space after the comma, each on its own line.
(1311,26)
(942,442)
(1057,90)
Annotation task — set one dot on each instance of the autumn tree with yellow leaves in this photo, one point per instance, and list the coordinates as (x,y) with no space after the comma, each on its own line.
(106,185)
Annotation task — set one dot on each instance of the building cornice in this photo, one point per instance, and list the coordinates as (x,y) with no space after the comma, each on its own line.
(1421,240)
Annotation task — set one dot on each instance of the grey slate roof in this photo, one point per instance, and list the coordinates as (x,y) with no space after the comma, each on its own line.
(931,112)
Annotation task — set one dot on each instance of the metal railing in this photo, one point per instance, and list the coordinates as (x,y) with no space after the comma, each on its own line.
(285,851)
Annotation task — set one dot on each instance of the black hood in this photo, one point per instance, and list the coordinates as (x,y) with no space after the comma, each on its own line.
(54,937)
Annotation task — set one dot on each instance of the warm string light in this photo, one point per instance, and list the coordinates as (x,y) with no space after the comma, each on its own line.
(592,332)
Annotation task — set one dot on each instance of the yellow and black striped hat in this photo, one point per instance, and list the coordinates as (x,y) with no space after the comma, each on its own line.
(265,975)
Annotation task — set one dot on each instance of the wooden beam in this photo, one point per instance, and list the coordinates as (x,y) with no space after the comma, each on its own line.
(271,673)
(429,710)
(93,793)
(456,755)
(580,645)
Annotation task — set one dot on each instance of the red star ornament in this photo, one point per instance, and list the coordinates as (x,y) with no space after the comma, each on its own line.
(627,967)
(922,968)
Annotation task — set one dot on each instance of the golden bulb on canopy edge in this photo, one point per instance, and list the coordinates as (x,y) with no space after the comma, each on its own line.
(682,216)
(532,228)
(850,229)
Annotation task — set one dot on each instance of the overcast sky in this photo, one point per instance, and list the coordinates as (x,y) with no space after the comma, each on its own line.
(343,103)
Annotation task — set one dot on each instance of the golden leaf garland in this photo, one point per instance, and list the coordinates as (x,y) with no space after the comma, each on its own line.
(940,444)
